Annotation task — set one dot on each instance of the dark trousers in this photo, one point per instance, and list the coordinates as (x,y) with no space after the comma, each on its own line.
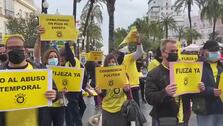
(72,111)
(82,105)
(156,122)
(135,94)
(57,115)
(142,90)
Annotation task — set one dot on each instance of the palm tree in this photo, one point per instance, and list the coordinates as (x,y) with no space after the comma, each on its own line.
(91,4)
(93,30)
(180,30)
(94,34)
(95,14)
(191,32)
(187,3)
(212,10)
(120,34)
(111,9)
(92,11)
(168,23)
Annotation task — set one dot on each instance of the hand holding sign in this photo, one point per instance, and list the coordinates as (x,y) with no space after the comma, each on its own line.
(217,92)
(58,27)
(202,87)
(51,95)
(187,77)
(171,89)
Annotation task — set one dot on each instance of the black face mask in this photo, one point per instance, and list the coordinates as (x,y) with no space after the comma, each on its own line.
(16,56)
(172,57)
(3,57)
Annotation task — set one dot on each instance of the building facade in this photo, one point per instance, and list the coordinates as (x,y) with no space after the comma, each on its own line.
(159,8)
(13,8)
(205,28)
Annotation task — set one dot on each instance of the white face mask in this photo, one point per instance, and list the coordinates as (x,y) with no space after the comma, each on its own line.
(112,64)
(53,61)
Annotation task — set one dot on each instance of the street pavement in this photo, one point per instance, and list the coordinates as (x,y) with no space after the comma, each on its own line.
(90,111)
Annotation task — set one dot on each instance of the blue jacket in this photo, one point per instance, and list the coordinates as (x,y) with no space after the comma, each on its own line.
(214,104)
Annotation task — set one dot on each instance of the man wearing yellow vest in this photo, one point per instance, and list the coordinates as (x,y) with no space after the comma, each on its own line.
(131,69)
(167,110)
(208,105)
(17,60)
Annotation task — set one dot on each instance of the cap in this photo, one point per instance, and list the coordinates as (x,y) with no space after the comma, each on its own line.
(211,45)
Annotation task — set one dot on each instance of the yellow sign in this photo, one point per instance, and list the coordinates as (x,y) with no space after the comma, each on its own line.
(67,78)
(220,86)
(94,56)
(131,37)
(186,76)
(58,27)
(111,77)
(188,58)
(22,89)
(83,57)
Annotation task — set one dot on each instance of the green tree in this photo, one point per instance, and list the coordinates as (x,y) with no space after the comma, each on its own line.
(212,10)
(150,32)
(24,26)
(180,31)
(187,4)
(194,33)
(91,11)
(168,23)
(119,35)
(216,36)
(95,36)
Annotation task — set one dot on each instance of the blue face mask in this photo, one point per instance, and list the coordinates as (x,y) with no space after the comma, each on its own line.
(213,56)
(53,61)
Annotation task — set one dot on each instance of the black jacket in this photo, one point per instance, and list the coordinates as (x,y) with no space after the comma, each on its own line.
(212,104)
(43,113)
(163,105)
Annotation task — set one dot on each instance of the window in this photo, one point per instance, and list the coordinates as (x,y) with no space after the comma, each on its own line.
(9,8)
(166,4)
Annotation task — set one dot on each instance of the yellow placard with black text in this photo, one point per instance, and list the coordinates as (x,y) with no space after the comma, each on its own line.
(111,77)
(220,86)
(186,76)
(23,89)
(67,78)
(58,27)
(188,58)
(94,56)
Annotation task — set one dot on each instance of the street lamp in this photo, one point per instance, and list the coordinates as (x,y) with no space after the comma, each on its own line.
(45,6)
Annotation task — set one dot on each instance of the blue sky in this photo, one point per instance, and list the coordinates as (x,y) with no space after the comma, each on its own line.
(126,12)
